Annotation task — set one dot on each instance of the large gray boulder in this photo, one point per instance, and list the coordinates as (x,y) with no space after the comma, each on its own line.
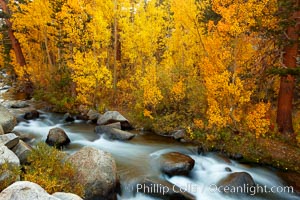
(113,133)
(175,163)
(112,117)
(7,120)
(93,115)
(66,196)
(22,150)
(10,140)
(57,137)
(25,190)
(97,172)
(8,156)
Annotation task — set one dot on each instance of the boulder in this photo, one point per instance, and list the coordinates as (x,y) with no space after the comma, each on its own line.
(10,140)
(116,125)
(113,133)
(22,150)
(8,156)
(19,104)
(33,114)
(112,117)
(82,117)
(93,115)
(235,180)
(68,118)
(175,163)
(26,137)
(178,134)
(1,130)
(25,190)
(163,189)
(66,196)
(7,120)
(57,137)
(97,172)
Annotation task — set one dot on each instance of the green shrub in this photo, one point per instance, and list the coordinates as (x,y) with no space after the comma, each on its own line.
(48,169)
(8,174)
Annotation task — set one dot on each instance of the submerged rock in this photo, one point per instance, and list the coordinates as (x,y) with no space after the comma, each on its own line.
(113,133)
(97,172)
(175,163)
(57,137)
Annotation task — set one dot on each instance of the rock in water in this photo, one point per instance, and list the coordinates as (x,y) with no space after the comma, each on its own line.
(175,163)
(57,137)
(7,120)
(237,180)
(25,190)
(112,117)
(97,172)
(34,114)
(113,133)
(68,118)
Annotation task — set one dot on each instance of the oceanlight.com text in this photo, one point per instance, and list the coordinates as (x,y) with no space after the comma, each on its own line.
(252,190)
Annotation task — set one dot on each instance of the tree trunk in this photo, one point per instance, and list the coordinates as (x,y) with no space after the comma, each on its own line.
(14,41)
(287,84)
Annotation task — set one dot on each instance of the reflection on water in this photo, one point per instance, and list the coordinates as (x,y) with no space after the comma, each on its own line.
(138,158)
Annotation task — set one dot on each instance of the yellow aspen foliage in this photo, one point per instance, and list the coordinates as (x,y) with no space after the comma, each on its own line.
(152,94)
(239,16)
(142,33)
(90,77)
(257,119)
(178,91)
(199,123)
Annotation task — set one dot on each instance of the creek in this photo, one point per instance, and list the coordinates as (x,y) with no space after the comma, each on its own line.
(138,158)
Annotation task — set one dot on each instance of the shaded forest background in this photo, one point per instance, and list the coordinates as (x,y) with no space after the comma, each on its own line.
(211,67)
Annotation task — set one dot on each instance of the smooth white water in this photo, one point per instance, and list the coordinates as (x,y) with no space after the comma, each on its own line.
(138,157)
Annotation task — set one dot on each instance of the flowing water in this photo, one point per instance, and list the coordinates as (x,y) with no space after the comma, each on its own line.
(138,158)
